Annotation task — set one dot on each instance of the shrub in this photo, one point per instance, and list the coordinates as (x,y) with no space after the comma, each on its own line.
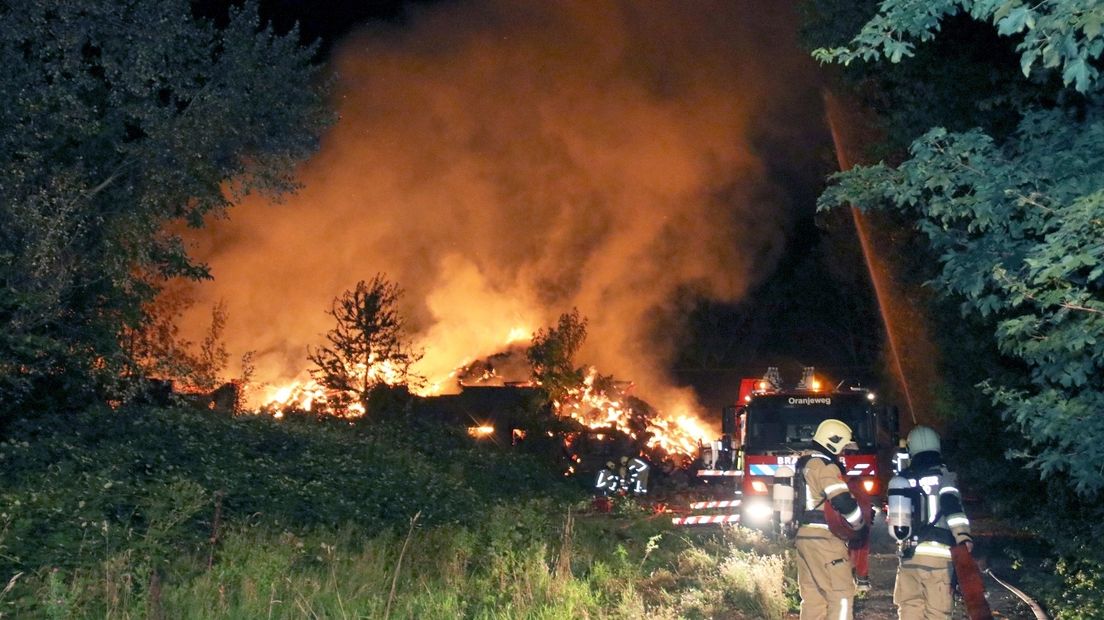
(183,514)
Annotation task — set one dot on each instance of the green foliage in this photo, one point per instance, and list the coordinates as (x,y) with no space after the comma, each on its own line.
(967,77)
(122,120)
(1067,36)
(737,573)
(113,515)
(552,355)
(1016,227)
(368,348)
(100,482)
(158,351)
(1013,221)
(1082,587)
(1017,230)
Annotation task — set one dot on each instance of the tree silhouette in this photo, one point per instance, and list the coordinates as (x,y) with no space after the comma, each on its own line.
(552,355)
(1013,219)
(367,348)
(125,122)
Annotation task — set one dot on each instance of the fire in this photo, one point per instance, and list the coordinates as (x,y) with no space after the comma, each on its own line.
(300,394)
(679,435)
(436,387)
(304,393)
(307,394)
(596,408)
(594,404)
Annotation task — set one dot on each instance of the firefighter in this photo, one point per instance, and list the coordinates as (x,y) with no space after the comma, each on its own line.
(608,482)
(937,523)
(823,564)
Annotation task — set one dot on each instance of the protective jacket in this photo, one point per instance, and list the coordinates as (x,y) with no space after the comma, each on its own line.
(824,483)
(938,520)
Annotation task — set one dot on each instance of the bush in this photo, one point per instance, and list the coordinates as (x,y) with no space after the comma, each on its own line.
(183,514)
(122,474)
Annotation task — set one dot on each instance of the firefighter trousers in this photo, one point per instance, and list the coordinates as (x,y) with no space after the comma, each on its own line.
(923,593)
(824,578)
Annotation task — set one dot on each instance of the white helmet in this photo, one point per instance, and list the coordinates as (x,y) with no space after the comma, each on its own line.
(922,439)
(833,435)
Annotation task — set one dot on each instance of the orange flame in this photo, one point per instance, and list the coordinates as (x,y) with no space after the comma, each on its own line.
(595,408)
(674,432)
(307,394)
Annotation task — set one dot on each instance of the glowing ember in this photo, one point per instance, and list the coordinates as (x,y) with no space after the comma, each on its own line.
(593,405)
(480,432)
(304,395)
(596,408)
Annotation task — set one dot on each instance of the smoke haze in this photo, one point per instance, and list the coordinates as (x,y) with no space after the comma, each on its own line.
(505,161)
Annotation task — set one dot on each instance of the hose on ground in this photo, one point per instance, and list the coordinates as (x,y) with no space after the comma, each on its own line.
(1035,608)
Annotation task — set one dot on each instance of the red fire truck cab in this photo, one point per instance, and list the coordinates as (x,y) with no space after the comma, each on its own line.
(773,426)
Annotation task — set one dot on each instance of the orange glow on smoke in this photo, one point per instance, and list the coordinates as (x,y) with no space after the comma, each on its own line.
(506,161)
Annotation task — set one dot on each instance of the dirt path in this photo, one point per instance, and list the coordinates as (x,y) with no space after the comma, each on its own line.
(878,603)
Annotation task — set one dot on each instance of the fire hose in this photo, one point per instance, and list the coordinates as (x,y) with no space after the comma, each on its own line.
(1035,608)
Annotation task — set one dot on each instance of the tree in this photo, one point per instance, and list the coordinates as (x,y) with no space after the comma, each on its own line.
(158,351)
(124,121)
(1062,35)
(368,348)
(552,355)
(1015,220)
(969,76)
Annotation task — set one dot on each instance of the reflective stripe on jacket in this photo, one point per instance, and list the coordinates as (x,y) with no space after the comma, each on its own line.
(940,521)
(824,483)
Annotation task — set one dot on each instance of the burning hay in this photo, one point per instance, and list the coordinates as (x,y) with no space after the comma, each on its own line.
(605,418)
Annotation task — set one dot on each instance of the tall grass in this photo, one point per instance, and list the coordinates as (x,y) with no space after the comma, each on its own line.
(447,572)
(170,514)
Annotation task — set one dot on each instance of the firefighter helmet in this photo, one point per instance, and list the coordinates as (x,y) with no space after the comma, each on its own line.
(833,435)
(922,439)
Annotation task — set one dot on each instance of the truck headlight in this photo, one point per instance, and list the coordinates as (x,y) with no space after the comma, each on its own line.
(758,512)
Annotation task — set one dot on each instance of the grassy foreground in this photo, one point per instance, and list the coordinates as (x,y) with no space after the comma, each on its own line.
(163,513)
(437,573)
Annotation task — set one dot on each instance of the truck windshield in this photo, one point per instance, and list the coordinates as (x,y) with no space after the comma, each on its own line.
(779,422)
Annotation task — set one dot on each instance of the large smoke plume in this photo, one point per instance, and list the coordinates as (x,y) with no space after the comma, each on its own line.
(505,161)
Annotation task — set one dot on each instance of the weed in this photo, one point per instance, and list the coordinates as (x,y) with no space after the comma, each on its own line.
(191,516)
(56,605)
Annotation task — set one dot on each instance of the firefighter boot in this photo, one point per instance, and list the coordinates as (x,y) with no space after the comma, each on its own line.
(862,586)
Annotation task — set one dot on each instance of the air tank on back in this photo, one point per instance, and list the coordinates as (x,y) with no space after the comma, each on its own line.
(782,495)
(899,509)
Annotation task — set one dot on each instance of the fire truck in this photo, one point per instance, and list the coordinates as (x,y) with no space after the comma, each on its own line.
(770,427)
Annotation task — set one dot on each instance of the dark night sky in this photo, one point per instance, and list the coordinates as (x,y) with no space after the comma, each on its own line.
(323,21)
